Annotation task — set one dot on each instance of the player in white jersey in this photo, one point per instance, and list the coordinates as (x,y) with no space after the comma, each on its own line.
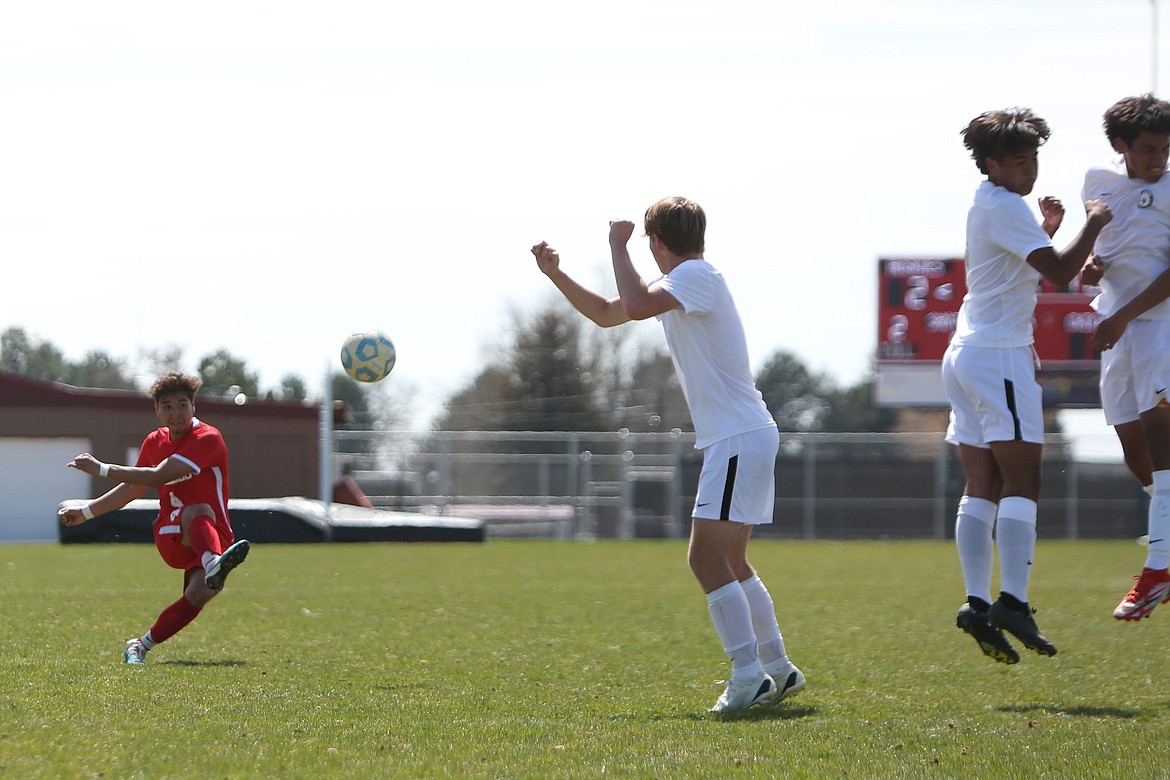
(733,427)
(989,374)
(1131,262)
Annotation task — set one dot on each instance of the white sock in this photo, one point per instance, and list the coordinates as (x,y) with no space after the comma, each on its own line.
(1158,555)
(147,640)
(732,616)
(208,559)
(973,527)
(1015,535)
(769,640)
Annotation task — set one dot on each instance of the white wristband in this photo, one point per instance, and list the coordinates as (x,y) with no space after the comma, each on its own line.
(104,471)
(86,512)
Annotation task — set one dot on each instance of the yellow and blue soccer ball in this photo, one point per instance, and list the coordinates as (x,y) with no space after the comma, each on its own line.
(368,356)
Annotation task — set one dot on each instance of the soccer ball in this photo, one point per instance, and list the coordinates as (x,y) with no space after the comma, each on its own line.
(369,356)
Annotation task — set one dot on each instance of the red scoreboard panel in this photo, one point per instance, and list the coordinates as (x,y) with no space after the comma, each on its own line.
(919,301)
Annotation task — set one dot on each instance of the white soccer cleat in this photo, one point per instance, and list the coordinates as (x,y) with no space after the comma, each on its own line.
(739,696)
(789,681)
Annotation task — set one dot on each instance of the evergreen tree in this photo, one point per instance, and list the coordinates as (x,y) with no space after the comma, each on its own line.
(291,388)
(852,410)
(99,369)
(545,382)
(552,379)
(797,397)
(21,355)
(802,400)
(652,396)
(225,374)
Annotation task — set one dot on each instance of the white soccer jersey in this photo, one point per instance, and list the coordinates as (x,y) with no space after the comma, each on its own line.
(1135,246)
(709,349)
(1001,287)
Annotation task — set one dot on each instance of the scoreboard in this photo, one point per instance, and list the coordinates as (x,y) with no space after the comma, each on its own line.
(919,301)
(918,306)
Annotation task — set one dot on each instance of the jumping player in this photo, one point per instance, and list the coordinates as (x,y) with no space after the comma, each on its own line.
(186,461)
(733,428)
(989,374)
(1131,262)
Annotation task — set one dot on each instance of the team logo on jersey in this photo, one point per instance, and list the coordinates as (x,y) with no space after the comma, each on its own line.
(1146,199)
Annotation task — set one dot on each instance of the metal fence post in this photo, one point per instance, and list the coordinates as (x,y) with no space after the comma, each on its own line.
(810,487)
(941,475)
(444,471)
(626,516)
(574,451)
(913,479)
(573,484)
(587,527)
(1072,475)
(676,485)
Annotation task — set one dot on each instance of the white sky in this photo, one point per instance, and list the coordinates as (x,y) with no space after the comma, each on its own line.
(268,177)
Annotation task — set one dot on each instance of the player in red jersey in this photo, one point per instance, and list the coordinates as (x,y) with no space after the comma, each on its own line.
(186,461)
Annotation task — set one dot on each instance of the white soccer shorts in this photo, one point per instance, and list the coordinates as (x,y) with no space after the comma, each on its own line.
(1136,371)
(738,479)
(994,395)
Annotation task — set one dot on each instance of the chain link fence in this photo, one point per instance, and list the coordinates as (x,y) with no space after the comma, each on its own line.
(641,485)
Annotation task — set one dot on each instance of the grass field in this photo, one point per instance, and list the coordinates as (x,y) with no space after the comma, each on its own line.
(561,659)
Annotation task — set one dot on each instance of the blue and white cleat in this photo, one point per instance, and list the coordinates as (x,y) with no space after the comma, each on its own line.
(135,654)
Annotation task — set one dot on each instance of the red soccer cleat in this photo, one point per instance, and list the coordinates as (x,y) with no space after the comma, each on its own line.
(1152,588)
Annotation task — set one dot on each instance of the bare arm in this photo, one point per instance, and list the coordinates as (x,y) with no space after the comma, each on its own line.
(1113,326)
(1062,267)
(145,476)
(637,298)
(133,482)
(606,312)
(115,498)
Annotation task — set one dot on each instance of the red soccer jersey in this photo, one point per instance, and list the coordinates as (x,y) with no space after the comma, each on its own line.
(204,450)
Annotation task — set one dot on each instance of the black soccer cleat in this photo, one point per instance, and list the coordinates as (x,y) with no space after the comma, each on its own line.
(1021,625)
(217,572)
(989,638)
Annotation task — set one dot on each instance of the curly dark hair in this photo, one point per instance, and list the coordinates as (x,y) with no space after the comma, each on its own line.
(1130,117)
(1000,133)
(680,224)
(175,382)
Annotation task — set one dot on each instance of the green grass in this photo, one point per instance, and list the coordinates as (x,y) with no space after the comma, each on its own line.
(547,659)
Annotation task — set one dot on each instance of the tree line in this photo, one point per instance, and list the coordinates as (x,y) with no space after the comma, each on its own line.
(223,374)
(557,372)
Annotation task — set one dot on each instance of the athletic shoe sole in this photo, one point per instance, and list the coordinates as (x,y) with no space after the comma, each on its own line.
(231,558)
(990,639)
